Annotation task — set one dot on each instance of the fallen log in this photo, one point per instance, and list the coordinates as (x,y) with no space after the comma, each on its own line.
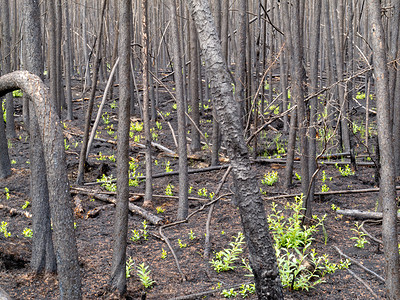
(153,219)
(358,214)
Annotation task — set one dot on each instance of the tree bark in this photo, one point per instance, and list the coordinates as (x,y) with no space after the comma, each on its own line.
(387,192)
(183,206)
(118,271)
(43,256)
(60,198)
(148,198)
(253,217)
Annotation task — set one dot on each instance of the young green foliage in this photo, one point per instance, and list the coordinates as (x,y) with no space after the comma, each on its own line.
(225,258)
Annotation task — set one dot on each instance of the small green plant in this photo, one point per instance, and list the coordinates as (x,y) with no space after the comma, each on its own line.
(202,192)
(191,235)
(106,118)
(159,126)
(168,167)
(334,207)
(135,235)
(270,178)
(247,289)
(174,106)
(190,189)
(346,171)
(137,126)
(7,192)
(145,233)
(168,190)
(160,210)
(107,183)
(181,244)
(25,206)
(163,254)
(229,293)
(325,188)
(360,238)
(144,275)
(130,263)
(13,161)
(27,233)
(17,94)
(224,259)
(298,177)
(113,105)
(3,106)
(3,229)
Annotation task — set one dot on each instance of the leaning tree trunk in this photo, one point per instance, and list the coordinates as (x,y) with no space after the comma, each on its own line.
(253,217)
(57,178)
(387,193)
(118,271)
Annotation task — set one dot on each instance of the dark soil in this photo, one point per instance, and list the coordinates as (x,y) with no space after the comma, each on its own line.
(94,235)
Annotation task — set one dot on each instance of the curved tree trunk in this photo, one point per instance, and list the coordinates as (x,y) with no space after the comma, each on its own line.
(43,256)
(60,204)
(253,217)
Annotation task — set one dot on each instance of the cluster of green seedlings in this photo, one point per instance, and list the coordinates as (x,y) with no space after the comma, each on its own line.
(301,268)
(280,146)
(67,146)
(142,233)
(360,237)
(27,232)
(346,171)
(108,182)
(324,187)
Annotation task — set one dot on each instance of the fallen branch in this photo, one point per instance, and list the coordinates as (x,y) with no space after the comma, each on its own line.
(370,235)
(364,283)
(358,214)
(297,160)
(93,213)
(360,191)
(14,211)
(153,219)
(356,262)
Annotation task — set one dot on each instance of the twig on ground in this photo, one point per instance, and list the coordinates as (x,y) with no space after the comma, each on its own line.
(356,262)
(209,292)
(368,234)
(364,283)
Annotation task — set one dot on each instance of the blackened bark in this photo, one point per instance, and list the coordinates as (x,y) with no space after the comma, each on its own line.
(6,65)
(118,271)
(60,197)
(68,62)
(387,192)
(5,164)
(253,217)
(183,206)
(43,256)
(148,197)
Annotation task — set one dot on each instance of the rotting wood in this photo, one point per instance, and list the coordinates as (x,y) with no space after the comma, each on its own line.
(78,210)
(93,213)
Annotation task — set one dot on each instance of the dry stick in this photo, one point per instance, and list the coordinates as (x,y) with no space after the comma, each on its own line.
(170,128)
(89,192)
(371,190)
(363,282)
(368,234)
(103,101)
(209,292)
(353,260)
(207,244)
(184,221)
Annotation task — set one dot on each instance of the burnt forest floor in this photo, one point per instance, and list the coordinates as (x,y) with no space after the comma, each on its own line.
(94,234)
